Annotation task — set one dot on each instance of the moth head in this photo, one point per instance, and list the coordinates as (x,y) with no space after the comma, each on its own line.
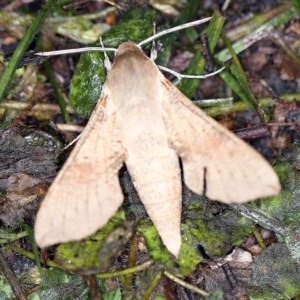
(128,46)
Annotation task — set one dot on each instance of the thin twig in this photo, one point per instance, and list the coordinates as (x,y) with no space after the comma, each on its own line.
(93,286)
(153,285)
(6,237)
(185,284)
(30,255)
(260,218)
(259,239)
(69,127)
(51,263)
(135,269)
(225,5)
(11,277)
(57,92)
(131,261)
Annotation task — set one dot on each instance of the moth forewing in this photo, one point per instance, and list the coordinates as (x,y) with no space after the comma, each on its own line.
(212,156)
(86,192)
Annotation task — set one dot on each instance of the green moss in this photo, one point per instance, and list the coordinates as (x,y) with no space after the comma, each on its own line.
(83,255)
(157,250)
(218,234)
(136,25)
(284,207)
(5,288)
(87,83)
(282,171)
(90,73)
(189,256)
(207,236)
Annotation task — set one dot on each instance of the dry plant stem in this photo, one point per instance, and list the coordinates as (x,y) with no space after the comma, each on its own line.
(257,21)
(67,6)
(132,257)
(229,275)
(225,5)
(69,127)
(259,239)
(207,55)
(9,237)
(49,108)
(97,15)
(30,255)
(242,105)
(280,124)
(51,263)
(185,284)
(16,4)
(289,12)
(153,285)
(35,249)
(132,270)
(288,50)
(260,219)
(254,132)
(31,291)
(20,117)
(11,277)
(177,28)
(92,284)
(17,105)
(57,92)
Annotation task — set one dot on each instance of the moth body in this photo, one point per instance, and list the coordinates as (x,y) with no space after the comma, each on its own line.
(152,164)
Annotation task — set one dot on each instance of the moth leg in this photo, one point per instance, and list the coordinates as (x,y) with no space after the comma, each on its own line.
(107,62)
(73,142)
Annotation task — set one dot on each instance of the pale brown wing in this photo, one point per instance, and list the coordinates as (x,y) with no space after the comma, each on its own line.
(86,192)
(215,161)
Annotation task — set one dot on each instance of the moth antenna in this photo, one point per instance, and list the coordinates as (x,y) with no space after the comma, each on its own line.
(181,76)
(167,31)
(73,51)
(107,62)
(153,54)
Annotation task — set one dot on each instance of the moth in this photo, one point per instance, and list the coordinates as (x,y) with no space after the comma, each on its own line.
(144,121)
